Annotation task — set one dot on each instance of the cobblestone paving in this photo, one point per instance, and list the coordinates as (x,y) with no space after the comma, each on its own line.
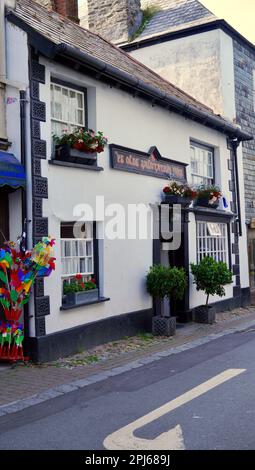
(23,381)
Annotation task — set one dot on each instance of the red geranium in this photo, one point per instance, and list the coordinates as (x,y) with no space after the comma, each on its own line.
(166,190)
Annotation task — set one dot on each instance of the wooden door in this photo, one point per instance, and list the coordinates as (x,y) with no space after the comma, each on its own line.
(4,217)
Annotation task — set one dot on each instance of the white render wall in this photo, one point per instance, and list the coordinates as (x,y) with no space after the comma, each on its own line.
(201,64)
(133,123)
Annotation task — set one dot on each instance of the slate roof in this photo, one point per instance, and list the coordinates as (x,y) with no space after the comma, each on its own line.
(175,15)
(61,30)
(66,35)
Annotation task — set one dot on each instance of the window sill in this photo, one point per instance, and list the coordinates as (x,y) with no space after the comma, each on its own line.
(212,213)
(75,165)
(83,304)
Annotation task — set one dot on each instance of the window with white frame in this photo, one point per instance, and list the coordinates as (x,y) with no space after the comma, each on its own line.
(77,254)
(67,109)
(202,165)
(212,240)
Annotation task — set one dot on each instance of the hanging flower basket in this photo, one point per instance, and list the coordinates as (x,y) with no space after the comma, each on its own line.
(18,271)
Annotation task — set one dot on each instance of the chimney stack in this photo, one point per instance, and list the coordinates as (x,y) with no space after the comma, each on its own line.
(67,8)
(115,20)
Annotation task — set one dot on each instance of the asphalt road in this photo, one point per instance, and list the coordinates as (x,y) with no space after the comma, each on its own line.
(222,417)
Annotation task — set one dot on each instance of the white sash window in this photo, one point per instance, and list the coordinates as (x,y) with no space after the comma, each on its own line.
(202,165)
(212,240)
(77,254)
(67,109)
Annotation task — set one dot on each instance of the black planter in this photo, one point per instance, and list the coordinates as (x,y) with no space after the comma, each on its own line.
(205,203)
(204,314)
(68,154)
(171,199)
(163,326)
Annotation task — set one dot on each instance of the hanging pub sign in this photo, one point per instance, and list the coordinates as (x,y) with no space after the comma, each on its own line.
(150,164)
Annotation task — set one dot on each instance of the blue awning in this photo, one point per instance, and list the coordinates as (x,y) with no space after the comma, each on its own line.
(12,173)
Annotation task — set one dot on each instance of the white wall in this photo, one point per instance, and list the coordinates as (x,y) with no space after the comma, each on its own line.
(202,65)
(136,124)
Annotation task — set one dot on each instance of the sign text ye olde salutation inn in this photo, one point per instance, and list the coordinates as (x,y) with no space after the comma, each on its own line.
(151,163)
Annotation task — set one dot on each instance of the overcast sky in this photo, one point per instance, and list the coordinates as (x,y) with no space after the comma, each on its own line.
(239,13)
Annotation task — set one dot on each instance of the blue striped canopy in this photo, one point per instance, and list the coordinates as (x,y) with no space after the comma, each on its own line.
(12,173)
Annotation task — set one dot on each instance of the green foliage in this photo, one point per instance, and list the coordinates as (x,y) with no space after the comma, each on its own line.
(208,192)
(211,276)
(14,295)
(3,277)
(145,336)
(76,286)
(82,138)
(163,281)
(148,14)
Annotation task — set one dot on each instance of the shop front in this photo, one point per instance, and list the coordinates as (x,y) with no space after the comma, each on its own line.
(12,178)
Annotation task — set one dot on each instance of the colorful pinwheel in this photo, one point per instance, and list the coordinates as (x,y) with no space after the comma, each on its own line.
(18,271)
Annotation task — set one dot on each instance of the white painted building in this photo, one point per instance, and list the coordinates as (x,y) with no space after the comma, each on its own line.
(206,57)
(136,109)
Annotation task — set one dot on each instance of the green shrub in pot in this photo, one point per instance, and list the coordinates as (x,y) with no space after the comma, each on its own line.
(210,276)
(165,282)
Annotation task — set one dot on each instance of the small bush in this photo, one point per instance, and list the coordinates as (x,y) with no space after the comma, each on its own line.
(211,276)
(166,281)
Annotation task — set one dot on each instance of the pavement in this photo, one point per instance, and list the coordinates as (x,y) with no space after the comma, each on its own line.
(196,396)
(23,386)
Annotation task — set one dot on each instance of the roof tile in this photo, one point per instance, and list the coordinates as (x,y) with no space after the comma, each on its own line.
(61,30)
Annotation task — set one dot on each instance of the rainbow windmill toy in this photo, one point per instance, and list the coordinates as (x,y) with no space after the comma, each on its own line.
(18,271)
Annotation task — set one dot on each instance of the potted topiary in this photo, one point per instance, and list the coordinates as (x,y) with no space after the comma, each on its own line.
(176,193)
(82,146)
(210,276)
(79,292)
(208,196)
(164,283)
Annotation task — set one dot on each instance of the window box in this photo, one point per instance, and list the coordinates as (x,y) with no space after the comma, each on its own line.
(82,297)
(68,154)
(172,199)
(206,203)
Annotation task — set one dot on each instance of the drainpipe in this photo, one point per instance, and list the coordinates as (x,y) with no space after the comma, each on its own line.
(235,144)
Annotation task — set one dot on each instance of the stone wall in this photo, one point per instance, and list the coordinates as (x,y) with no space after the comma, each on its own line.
(115,20)
(244,67)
